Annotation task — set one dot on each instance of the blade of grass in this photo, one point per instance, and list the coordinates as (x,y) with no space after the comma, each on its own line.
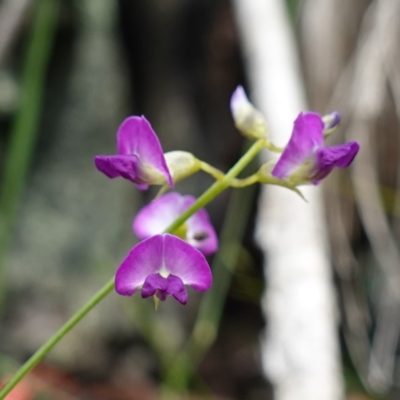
(25,125)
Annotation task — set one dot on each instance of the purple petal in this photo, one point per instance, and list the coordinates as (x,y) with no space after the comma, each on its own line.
(153,283)
(157,285)
(177,289)
(327,158)
(114,166)
(144,259)
(201,233)
(183,260)
(136,136)
(306,137)
(142,186)
(158,215)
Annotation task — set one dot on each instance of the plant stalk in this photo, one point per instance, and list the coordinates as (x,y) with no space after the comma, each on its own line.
(207,196)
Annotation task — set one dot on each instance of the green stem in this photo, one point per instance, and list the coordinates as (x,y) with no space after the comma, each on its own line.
(207,196)
(179,372)
(214,172)
(219,186)
(267,179)
(45,349)
(241,183)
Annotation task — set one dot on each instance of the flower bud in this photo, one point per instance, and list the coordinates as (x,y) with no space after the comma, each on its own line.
(247,118)
(331,121)
(181,164)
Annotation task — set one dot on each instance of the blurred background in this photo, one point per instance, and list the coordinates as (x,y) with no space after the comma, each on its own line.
(70,72)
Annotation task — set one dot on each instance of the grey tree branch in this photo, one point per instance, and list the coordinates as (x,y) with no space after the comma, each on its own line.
(300,348)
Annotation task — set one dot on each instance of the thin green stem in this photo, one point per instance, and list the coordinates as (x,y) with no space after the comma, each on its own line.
(219,186)
(214,172)
(241,183)
(267,179)
(48,346)
(209,195)
(204,333)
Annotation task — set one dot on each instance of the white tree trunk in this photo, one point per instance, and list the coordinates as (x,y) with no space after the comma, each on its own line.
(300,350)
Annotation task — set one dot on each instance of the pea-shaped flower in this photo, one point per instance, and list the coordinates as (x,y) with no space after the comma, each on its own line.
(140,158)
(162,265)
(305,159)
(160,213)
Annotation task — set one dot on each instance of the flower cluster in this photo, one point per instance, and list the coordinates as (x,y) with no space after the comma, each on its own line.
(169,256)
(305,159)
(162,264)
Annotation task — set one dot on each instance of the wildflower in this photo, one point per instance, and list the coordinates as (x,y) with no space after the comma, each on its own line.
(247,118)
(140,158)
(160,213)
(305,159)
(161,265)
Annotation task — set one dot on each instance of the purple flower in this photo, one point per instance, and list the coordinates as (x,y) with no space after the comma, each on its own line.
(161,265)
(140,158)
(305,159)
(160,213)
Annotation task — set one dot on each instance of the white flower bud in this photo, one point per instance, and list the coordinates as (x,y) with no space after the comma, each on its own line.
(247,118)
